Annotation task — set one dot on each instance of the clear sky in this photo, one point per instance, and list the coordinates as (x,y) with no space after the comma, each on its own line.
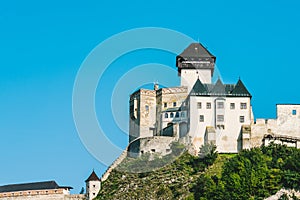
(43,43)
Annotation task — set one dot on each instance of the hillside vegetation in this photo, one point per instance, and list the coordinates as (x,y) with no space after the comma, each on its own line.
(251,174)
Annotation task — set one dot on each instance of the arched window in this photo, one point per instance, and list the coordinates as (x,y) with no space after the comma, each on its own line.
(177,114)
(166,115)
(171,115)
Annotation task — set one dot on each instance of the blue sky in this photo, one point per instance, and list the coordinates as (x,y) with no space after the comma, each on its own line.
(43,43)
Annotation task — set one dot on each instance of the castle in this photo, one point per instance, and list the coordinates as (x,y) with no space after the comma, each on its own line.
(195,113)
(199,112)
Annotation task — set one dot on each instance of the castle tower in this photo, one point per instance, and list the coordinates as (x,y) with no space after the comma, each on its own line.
(193,63)
(93,185)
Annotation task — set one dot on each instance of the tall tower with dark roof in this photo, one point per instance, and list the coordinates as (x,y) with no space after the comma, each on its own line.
(195,62)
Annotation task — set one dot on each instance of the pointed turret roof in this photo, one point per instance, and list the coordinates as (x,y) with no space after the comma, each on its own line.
(219,88)
(240,89)
(93,177)
(199,88)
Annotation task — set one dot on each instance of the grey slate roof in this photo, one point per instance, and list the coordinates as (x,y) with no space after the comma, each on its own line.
(199,88)
(240,89)
(195,56)
(46,185)
(196,50)
(220,89)
(93,177)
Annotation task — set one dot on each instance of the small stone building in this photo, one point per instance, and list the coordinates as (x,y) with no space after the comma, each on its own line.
(49,190)
(38,191)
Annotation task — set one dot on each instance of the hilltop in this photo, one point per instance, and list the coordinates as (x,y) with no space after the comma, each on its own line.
(252,174)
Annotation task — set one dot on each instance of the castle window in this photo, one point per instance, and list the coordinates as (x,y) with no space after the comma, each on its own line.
(232,106)
(201,118)
(153,150)
(165,104)
(220,118)
(166,115)
(174,104)
(243,105)
(294,112)
(177,114)
(220,105)
(182,114)
(199,105)
(94,185)
(208,105)
(147,108)
(94,194)
(242,119)
(171,115)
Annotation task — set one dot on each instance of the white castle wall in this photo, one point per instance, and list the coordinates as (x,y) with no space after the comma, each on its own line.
(190,76)
(227,138)
(288,123)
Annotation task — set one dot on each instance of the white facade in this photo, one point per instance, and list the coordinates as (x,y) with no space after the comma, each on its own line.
(92,189)
(188,77)
(224,114)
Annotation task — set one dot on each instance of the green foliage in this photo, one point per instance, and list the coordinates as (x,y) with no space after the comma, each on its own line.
(208,153)
(251,174)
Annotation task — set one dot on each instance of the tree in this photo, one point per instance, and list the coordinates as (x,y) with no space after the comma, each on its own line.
(81,191)
(208,153)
